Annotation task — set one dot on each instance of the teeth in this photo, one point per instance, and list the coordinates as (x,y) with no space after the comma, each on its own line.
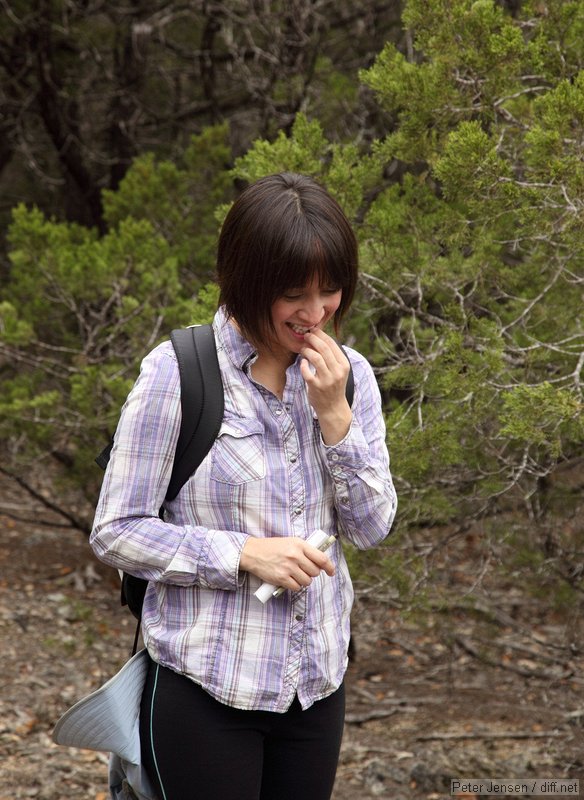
(299,329)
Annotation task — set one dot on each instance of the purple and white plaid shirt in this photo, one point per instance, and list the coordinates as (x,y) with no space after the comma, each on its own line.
(268,474)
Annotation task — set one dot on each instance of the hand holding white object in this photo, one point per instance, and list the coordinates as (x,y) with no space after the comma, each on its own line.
(318,539)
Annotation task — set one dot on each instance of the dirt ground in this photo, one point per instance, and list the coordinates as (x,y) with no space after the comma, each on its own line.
(494,691)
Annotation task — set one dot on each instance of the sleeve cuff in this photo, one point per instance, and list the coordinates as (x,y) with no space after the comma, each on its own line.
(218,566)
(345,458)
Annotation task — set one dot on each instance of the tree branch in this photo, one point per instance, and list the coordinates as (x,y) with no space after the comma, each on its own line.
(74,522)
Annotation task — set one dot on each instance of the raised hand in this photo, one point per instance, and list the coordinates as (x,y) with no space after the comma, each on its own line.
(325,370)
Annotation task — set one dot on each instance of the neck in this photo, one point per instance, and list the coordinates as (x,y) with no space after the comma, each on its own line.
(269,369)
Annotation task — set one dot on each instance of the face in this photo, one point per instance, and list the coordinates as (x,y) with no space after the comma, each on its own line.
(298,311)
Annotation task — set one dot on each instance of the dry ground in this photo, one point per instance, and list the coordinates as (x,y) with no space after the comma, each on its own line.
(449,693)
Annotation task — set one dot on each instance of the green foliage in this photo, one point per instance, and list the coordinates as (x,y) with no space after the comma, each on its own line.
(14,331)
(178,200)
(543,415)
(346,172)
(80,310)
(469,163)
(95,286)
(473,260)
(470,54)
(333,96)
(559,118)
(557,37)
(468,209)
(303,151)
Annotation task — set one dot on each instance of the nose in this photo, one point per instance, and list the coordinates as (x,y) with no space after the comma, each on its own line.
(313,310)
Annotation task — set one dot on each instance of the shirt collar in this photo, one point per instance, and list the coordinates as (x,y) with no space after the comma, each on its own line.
(239,350)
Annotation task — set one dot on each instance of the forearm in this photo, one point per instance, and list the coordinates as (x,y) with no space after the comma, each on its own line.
(363,493)
(128,532)
(157,551)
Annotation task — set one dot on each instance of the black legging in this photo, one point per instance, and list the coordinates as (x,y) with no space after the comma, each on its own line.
(196,748)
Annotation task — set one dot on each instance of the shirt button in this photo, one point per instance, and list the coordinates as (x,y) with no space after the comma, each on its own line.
(293,459)
(298,617)
(278,411)
(344,500)
(335,457)
(298,511)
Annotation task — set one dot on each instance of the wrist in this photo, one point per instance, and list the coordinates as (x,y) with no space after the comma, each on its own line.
(246,554)
(335,425)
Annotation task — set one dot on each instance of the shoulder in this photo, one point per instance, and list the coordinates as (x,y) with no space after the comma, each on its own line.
(161,358)
(159,369)
(161,352)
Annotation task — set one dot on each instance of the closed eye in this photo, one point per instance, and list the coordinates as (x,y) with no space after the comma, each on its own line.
(296,295)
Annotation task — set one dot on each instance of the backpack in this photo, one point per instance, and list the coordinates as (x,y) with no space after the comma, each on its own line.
(201,396)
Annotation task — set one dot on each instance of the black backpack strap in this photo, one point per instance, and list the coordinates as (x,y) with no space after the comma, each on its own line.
(202,413)
(350,387)
(103,458)
(201,400)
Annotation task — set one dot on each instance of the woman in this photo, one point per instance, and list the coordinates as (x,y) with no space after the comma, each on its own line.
(244,700)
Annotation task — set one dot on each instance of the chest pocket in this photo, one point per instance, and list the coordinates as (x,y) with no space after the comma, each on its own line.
(238,454)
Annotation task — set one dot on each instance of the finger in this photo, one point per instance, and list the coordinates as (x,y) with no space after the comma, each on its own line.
(302,567)
(305,370)
(318,374)
(291,584)
(325,345)
(318,360)
(301,579)
(310,567)
(327,363)
(321,335)
(311,374)
(321,560)
(325,359)
(329,567)
(318,346)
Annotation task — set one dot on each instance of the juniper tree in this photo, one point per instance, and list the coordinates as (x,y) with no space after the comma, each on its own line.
(469,213)
(468,210)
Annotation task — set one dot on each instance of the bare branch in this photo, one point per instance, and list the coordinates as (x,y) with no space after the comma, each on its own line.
(73,521)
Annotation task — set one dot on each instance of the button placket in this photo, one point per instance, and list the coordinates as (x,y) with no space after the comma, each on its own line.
(295,474)
(298,612)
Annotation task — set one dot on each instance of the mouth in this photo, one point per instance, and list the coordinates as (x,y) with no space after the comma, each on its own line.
(300,329)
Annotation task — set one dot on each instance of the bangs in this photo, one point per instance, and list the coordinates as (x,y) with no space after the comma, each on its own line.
(305,258)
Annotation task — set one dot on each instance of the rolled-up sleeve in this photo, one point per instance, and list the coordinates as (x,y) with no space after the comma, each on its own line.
(128,533)
(364,494)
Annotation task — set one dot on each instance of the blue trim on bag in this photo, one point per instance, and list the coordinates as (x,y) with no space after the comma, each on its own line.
(152,733)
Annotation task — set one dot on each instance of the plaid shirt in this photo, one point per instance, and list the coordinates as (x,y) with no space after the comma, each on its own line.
(268,474)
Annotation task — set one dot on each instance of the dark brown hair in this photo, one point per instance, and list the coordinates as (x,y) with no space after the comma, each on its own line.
(281,232)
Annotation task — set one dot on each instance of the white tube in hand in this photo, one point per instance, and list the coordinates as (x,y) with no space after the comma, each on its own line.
(319,539)
(265,592)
